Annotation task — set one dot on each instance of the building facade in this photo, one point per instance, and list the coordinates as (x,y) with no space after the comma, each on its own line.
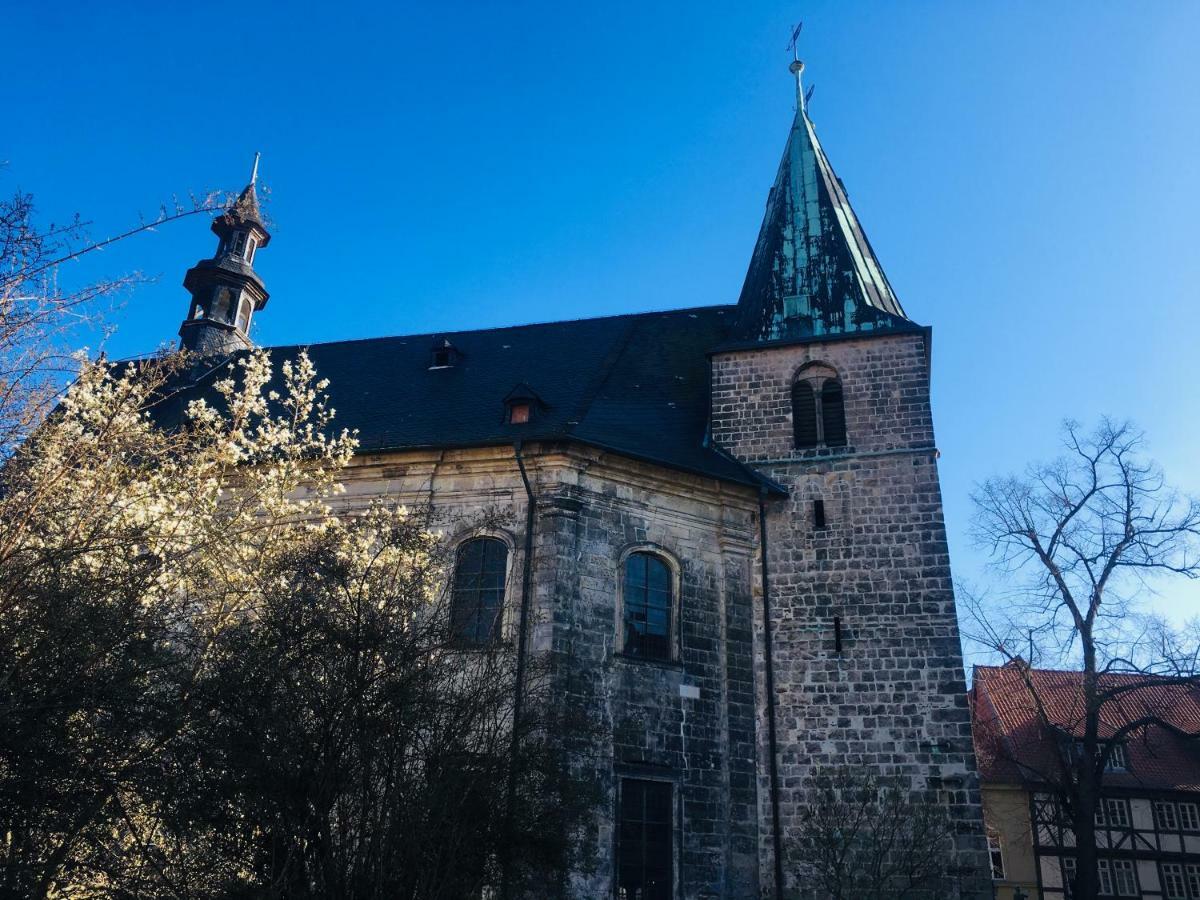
(1148,823)
(731,522)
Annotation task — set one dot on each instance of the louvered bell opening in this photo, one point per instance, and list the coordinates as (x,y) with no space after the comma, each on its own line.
(804,415)
(833,414)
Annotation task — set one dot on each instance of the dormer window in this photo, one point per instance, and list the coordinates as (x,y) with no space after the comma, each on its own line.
(520,405)
(443,356)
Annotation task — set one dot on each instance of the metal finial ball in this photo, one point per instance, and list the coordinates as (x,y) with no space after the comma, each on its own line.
(796,66)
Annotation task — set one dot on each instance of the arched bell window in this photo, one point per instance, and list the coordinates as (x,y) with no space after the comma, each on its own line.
(818,408)
(477,601)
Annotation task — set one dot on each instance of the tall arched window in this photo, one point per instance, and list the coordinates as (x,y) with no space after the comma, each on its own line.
(478,597)
(818,408)
(647,603)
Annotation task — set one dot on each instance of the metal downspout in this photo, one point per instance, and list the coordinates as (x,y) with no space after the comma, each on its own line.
(776,830)
(519,687)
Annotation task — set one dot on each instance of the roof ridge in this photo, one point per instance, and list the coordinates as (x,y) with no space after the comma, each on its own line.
(725,307)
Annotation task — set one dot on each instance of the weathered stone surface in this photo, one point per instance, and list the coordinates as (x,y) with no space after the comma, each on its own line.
(894,699)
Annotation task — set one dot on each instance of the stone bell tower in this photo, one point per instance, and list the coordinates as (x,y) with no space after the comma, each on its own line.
(826,392)
(226,291)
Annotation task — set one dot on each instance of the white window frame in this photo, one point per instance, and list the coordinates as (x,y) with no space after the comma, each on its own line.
(1106,878)
(1189,819)
(1173,885)
(1124,878)
(1120,807)
(996,854)
(1165,815)
(1118,759)
(1192,875)
(1070,871)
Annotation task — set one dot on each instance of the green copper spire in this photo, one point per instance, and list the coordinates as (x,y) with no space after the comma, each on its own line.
(813,271)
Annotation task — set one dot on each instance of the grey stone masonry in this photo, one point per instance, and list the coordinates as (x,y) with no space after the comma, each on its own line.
(894,699)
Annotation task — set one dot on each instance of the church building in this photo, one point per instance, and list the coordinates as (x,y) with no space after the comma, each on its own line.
(721,525)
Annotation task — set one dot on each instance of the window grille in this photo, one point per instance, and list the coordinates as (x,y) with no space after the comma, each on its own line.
(1117,812)
(1172,881)
(645,839)
(1189,819)
(478,597)
(1164,814)
(647,601)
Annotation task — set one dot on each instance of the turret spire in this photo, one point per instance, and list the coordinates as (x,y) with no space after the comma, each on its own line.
(813,271)
(226,291)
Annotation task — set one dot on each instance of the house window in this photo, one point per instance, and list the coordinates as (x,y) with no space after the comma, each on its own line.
(238,243)
(1164,815)
(1098,815)
(1118,759)
(818,514)
(518,413)
(478,597)
(1172,881)
(818,409)
(1069,873)
(996,852)
(251,246)
(1106,879)
(1193,878)
(646,607)
(1124,879)
(1117,812)
(644,840)
(1189,819)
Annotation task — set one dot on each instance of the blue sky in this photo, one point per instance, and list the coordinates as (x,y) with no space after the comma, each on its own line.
(1027,172)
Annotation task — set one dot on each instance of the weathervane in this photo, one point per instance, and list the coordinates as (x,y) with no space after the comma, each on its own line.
(797,67)
(794,44)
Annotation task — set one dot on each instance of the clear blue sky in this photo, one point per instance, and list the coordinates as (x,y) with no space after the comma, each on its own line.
(1027,172)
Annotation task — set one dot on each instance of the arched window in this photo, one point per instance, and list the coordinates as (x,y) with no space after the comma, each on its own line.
(818,409)
(478,597)
(647,603)
(243,317)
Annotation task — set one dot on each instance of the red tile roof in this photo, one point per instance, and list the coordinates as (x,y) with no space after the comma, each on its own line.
(1019,716)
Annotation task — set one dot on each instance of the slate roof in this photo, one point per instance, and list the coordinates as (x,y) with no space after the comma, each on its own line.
(635,384)
(1013,746)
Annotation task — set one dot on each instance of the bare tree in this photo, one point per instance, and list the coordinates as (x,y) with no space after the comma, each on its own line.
(39,317)
(1078,542)
(865,837)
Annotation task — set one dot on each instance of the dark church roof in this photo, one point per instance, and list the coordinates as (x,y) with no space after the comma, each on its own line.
(635,384)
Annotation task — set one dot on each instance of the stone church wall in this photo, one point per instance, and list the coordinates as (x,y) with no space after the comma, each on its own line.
(894,699)
(592,509)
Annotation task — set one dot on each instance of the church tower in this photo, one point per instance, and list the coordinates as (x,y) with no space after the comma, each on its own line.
(825,391)
(226,291)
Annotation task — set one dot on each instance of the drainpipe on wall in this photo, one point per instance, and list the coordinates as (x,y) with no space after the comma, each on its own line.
(776,831)
(519,687)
